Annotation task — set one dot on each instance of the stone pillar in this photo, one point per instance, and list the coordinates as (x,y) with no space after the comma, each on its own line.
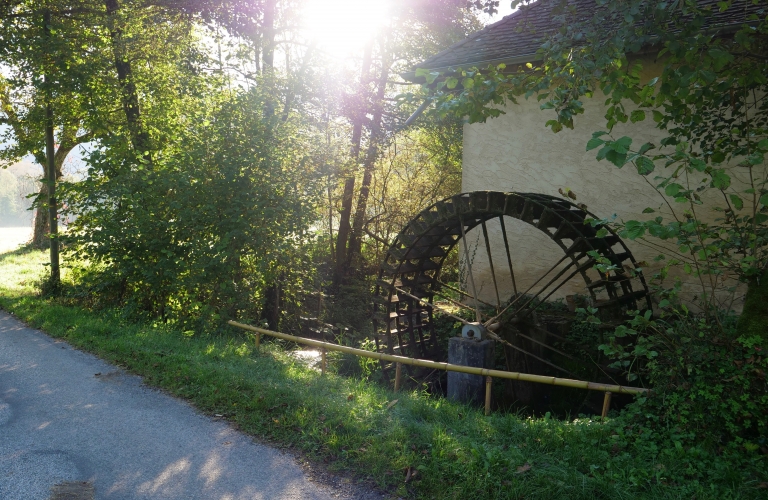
(468,352)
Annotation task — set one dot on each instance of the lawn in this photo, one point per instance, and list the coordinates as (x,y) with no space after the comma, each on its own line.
(412,445)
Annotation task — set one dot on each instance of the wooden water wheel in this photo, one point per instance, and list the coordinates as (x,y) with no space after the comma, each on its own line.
(411,292)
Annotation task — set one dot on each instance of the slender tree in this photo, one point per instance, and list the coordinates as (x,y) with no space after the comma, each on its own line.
(414,31)
(41,90)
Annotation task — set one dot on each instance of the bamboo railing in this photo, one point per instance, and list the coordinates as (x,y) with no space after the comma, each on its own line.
(608,389)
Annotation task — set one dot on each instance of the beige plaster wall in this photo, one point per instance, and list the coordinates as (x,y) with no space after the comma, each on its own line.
(515,152)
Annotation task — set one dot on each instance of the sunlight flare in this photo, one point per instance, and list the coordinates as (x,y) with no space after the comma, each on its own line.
(341,28)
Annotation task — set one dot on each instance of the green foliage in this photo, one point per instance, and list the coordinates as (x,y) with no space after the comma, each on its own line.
(710,392)
(203,177)
(351,309)
(421,166)
(45,65)
(201,233)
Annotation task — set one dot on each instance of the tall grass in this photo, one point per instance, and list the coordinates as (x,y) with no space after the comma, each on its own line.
(409,444)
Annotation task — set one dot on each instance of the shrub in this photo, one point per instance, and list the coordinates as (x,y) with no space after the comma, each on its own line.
(710,391)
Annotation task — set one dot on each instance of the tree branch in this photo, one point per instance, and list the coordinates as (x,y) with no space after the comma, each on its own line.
(375,237)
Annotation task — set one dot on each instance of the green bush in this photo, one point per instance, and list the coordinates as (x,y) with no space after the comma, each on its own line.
(202,232)
(710,393)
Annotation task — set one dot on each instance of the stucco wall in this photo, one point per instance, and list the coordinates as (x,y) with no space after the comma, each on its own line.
(515,152)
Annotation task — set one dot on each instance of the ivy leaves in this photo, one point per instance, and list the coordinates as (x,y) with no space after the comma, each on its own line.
(613,151)
(619,152)
(735,240)
(474,94)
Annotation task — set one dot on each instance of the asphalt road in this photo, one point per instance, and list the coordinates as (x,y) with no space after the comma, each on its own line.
(59,422)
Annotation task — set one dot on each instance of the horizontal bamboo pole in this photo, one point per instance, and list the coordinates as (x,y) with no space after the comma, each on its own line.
(525,377)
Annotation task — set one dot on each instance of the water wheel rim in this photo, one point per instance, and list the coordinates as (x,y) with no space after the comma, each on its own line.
(415,259)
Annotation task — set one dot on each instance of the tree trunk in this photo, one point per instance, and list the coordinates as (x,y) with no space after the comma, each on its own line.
(355,240)
(129,95)
(40,239)
(52,178)
(345,215)
(271,311)
(268,57)
(41,228)
(290,94)
(754,317)
(268,37)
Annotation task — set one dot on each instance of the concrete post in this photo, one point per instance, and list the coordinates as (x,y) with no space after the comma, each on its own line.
(468,352)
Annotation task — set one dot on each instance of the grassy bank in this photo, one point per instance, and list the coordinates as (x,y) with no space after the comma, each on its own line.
(450,450)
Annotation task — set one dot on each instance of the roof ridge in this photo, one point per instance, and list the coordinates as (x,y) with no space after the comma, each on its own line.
(477,34)
(517,37)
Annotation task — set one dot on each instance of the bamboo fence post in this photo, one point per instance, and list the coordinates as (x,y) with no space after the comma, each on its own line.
(398,374)
(258,341)
(606,403)
(322,361)
(488,382)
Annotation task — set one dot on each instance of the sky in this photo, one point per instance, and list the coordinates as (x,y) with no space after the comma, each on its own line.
(341,27)
(505,9)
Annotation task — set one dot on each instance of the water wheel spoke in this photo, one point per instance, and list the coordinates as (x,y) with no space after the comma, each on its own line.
(462,292)
(452,301)
(490,263)
(509,257)
(544,344)
(525,294)
(551,291)
(469,268)
(520,349)
(433,306)
(558,337)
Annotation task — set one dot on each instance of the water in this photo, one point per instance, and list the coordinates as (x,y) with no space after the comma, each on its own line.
(310,357)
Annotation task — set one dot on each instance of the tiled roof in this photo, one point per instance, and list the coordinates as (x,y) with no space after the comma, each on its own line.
(518,36)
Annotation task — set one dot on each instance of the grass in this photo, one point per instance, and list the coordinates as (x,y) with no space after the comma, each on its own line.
(451,450)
